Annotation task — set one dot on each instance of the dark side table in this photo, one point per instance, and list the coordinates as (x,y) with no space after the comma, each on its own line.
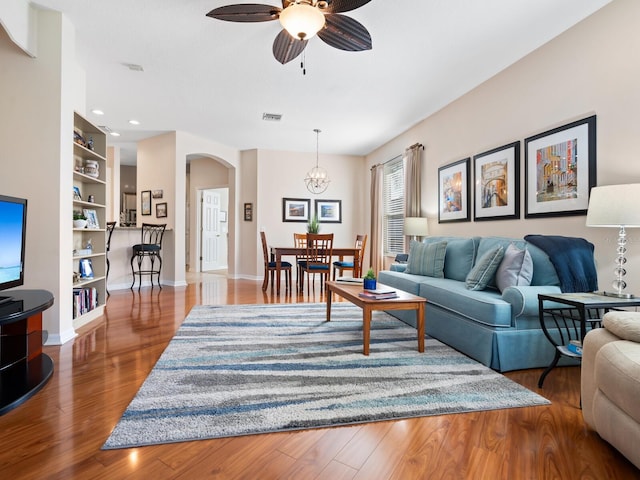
(24,369)
(570,315)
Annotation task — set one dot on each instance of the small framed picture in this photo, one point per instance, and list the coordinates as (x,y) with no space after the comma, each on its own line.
(145,202)
(497,183)
(161,210)
(453,192)
(560,169)
(156,193)
(86,268)
(92,218)
(329,211)
(248,212)
(76,193)
(295,209)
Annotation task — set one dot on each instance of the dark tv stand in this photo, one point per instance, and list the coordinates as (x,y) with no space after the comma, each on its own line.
(24,369)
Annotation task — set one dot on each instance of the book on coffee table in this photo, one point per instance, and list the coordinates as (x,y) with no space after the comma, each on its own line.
(378,294)
(350,280)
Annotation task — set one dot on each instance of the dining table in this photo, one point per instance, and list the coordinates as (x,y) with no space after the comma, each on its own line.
(278,252)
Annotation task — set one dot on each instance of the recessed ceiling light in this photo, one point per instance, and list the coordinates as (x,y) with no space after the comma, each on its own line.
(97,112)
(114,134)
(134,122)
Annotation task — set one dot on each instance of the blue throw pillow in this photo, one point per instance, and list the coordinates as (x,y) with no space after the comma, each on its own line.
(427,259)
(485,269)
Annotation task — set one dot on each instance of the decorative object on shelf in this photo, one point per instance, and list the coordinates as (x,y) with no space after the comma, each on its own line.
(301,20)
(313,225)
(370,282)
(79,220)
(329,211)
(89,246)
(79,139)
(91,168)
(497,183)
(616,206)
(161,210)
(92,218)
(145,202)
(156,193)
(91,199)
(248,212)
(90,143)
(453,192)
(560,170)
(317,180)
(76,193)
(295,209)
(86,268)
(416,227)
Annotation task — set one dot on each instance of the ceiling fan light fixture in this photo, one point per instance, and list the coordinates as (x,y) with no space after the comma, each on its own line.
(302,20)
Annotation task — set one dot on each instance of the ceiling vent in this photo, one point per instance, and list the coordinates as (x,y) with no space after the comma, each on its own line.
(134,67)
(271,117)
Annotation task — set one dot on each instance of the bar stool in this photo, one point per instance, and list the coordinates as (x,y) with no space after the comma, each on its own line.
(110,227)
(150,248)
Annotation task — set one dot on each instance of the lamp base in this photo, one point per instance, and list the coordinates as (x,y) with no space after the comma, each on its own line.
(618,295)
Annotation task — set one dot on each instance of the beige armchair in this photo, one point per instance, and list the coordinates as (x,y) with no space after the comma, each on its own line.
(611,382)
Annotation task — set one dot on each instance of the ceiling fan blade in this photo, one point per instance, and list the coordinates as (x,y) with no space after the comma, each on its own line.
(341,6)
(345,33)
(286,48)
(246,12)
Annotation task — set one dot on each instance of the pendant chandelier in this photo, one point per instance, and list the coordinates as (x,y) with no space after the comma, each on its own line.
(317,179)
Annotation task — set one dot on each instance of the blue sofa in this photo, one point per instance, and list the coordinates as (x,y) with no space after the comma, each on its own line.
(500,330)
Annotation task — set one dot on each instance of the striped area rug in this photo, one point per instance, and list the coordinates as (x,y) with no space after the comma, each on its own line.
(248,369)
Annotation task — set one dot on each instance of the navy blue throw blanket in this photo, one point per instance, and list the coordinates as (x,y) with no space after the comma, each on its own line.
(573,260)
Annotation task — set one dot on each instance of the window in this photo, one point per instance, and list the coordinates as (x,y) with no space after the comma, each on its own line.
(393,221)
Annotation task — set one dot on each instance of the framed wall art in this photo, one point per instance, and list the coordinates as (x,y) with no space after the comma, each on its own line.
(329,211)
(453,192)
(161,210)
(145,202)
(295,209)
(248,212)
(560,169)
(496,176)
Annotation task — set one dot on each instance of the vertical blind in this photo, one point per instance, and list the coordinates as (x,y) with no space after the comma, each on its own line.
(393,206)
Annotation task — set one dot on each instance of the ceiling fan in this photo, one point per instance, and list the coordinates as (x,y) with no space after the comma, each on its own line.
(301,20)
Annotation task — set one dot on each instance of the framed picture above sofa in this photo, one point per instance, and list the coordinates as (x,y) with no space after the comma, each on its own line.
(560,169)
(453,192)
(497,183)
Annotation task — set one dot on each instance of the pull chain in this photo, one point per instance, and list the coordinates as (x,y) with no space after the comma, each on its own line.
(303,62)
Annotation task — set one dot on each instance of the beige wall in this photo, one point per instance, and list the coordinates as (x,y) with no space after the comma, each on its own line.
(592,68)
(281,174)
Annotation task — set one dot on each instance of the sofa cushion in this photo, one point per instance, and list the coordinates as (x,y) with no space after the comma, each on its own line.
(516,268)
(427,259)
(485,268)
(401,280)
(459,258)
(625,325)
(485,307)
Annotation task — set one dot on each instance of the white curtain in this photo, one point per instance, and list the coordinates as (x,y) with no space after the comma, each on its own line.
(376,251)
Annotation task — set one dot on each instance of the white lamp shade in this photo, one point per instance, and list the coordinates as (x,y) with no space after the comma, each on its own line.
(417,226)
(614,206)
(302,20)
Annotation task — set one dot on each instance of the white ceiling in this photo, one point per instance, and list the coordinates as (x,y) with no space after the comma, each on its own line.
(215,79)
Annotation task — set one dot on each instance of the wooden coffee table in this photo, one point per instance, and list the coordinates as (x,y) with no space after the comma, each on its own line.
(404,301)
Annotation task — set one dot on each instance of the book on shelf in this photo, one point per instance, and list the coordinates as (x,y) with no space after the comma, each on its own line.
(350,280)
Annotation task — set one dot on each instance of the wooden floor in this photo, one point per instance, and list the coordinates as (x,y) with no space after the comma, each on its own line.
(58,433)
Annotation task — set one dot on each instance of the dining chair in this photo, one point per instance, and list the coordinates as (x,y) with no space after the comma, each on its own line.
(299,241)
(110,228)
(270,267)
(341,265)
(319,252)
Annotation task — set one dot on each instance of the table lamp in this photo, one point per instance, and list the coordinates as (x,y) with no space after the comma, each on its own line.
(416,227)
(616,206)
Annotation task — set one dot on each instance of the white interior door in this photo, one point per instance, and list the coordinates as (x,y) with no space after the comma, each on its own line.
(213,255)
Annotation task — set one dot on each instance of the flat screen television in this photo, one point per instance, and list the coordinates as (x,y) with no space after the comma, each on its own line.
(13,226)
